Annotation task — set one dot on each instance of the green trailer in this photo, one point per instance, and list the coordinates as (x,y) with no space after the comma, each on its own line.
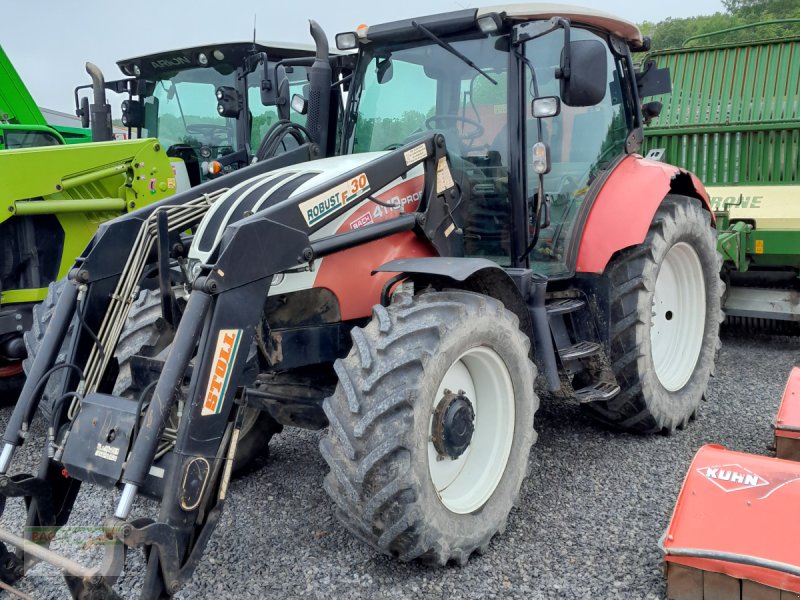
(733,118)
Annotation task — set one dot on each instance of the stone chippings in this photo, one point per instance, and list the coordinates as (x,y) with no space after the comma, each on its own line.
(592,509)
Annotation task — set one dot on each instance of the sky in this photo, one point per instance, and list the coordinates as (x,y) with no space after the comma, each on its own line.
(55,38)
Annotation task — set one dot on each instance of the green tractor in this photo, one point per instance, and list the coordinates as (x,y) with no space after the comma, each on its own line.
(733,118)
(214,109)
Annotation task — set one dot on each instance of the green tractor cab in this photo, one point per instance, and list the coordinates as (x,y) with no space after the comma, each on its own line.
(210,106)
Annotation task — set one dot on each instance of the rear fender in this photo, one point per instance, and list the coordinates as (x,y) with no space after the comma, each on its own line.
(477,275)
(624,207)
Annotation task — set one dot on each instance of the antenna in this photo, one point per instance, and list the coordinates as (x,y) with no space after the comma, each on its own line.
(255,16)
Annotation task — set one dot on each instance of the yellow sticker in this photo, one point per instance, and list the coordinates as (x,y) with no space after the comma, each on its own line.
(171,183)
(759,246)
(444,180)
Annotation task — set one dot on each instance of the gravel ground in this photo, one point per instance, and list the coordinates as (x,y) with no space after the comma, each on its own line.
(588,525)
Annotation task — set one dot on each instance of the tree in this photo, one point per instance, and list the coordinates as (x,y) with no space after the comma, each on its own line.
(672,33)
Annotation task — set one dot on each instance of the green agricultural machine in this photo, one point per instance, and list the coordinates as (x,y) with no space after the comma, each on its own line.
(733,118)
(22,124)
(214,109)
(52,201)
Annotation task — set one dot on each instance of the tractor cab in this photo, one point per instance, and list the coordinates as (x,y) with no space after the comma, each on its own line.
(534,111)
(209,106)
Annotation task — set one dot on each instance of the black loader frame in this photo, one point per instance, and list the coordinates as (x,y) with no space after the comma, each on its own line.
(226,297)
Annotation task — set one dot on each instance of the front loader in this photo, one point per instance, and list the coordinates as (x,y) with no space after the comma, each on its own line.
(491,236)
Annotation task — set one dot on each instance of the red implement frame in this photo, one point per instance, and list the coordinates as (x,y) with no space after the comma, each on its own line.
(735,531)
(787,423)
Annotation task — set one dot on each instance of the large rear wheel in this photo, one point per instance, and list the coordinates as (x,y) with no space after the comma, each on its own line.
(665,313)
(431,426)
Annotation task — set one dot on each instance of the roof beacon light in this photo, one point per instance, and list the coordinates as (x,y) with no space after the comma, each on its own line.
(346,41)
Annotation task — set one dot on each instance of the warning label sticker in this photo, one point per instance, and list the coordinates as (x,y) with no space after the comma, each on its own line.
(416,154)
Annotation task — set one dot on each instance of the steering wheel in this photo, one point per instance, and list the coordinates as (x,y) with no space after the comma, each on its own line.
(431,122)
(207,129)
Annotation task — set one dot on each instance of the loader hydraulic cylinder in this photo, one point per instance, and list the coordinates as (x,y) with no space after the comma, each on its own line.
(155,419)
(32,390)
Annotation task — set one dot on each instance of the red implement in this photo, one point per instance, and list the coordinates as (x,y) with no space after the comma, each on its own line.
(787,423)
(735,529)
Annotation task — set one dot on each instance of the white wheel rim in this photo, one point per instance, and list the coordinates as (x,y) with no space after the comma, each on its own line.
(466,483)
(678,316)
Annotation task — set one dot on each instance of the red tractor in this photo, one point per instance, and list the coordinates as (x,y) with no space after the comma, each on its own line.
(486,219)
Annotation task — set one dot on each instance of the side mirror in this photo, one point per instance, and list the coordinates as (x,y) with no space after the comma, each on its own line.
(650,111)
(275,89)
(229,102)
(151,116)
(299,104)
(653,81)
(385,70)
(584,73)
(83,112)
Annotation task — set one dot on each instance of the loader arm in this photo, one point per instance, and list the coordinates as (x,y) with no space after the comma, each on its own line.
(216,329)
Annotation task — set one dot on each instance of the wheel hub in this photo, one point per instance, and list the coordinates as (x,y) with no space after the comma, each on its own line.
(453,425)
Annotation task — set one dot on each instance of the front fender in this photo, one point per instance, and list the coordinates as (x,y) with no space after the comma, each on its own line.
(624,207)
(474,274)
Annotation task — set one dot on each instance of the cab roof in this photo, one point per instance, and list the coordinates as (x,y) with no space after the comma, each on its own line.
(452,22)
(626,30)
(230,53)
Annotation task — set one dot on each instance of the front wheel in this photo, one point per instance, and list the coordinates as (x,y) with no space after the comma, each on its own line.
(431,425)
(665,312)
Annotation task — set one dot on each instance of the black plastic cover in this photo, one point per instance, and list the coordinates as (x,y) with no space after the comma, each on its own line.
(99,439)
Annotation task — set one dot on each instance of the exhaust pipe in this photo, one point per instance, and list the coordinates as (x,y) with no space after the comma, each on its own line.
(102,130)
(319,89)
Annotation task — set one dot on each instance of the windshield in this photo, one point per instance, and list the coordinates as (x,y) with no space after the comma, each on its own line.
(407,92)
(187,112)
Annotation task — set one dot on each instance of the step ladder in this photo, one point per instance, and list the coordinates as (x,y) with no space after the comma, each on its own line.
(580,357)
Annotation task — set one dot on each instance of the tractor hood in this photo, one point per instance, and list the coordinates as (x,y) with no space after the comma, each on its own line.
(264,191)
